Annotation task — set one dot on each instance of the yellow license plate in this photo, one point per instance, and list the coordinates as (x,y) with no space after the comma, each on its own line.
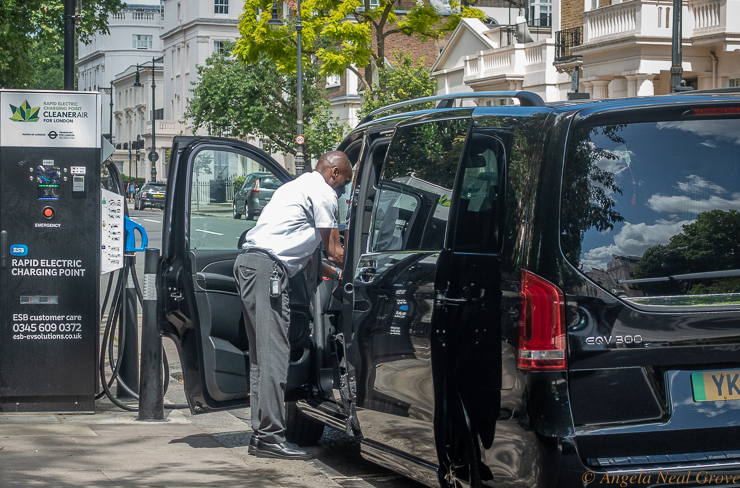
(711,386)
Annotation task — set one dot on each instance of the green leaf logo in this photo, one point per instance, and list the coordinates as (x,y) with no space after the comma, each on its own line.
(25,113)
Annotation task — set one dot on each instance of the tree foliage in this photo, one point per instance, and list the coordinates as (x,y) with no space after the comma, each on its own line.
(587,190)
(711,243)
(405,80)
(343,35)
(28,23)
(239,99)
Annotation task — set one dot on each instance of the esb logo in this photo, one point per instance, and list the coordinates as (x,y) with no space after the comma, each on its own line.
(18,250)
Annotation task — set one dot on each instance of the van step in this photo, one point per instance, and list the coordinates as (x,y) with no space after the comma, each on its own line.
(665,459)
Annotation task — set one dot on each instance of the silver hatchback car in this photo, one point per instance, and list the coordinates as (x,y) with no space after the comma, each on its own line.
(254,194)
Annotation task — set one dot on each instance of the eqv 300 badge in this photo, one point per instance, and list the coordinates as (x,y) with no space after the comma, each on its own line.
(617,339)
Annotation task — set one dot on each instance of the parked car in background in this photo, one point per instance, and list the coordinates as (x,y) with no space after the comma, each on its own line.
(254,194)
(152,194)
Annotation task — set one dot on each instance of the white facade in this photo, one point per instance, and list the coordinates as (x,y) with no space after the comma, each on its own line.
(193,31)
(626,48)
(132,118)
(480,57)
(134,38)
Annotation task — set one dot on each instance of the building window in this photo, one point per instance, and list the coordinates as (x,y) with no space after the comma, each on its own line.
(540,12)
(187,58)
(142,42)
(734,82)
(219,46)
(220,6)
(333,80)
(179,13)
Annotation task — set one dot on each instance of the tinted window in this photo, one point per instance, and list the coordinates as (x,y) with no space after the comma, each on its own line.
(650,210)
(154,187)
(269,183)
(479,191)
(412,206)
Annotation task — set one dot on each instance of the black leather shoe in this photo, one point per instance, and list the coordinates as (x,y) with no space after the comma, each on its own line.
(253,444)
(283,450)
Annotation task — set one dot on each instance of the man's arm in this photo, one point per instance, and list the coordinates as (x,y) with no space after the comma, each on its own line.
(333,246)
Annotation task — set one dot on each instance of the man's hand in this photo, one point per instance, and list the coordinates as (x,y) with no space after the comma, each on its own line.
(333,246)
(328,271)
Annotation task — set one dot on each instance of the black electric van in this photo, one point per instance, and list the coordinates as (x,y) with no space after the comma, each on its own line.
(533,295)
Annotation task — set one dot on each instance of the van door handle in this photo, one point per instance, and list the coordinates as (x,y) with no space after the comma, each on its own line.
(440,300)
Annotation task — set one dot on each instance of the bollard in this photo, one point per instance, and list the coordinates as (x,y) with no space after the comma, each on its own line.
(129,332)
(151,392)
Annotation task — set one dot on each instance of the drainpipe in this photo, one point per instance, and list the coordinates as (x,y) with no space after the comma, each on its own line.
(714,68)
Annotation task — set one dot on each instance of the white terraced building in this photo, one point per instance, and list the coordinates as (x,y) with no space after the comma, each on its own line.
(626,46)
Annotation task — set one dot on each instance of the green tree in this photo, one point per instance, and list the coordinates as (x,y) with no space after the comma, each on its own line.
(239,99)
(28,23)
(405,80)
(711,243)
(49,73)
(343,35)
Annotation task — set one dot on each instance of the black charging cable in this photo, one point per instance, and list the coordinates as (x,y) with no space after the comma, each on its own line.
(114,314)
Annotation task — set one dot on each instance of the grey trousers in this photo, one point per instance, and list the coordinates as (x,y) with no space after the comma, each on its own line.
(267,320)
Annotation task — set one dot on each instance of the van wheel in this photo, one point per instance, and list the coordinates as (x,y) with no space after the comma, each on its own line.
(237,215)
(299,428)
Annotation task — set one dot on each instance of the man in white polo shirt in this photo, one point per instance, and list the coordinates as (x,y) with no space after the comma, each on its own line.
(301,215)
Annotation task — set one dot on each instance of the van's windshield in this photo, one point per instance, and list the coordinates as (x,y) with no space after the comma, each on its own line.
(649,210)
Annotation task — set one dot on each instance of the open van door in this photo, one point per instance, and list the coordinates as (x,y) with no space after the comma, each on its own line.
(201,309)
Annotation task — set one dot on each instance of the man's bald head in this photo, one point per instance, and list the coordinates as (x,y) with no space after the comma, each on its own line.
(334,159)
(336,169)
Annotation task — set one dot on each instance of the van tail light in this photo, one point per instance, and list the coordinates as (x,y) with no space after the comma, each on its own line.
(541,325)
(714,111)
(256,188)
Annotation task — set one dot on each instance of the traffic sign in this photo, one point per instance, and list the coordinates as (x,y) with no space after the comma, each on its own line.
(300,140)
(153,157)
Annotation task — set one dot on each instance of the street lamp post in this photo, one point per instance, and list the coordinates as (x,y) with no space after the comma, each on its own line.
(275,22)
(109,92)
(110,128)
(153,156)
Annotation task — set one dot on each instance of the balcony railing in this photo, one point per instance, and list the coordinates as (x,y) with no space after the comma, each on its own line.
(651,18)
(612,21)
(566,39)
(707,15)
(513,60)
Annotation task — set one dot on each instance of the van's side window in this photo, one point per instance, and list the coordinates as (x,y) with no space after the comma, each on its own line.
(221,206)
(479,191)
(416,184)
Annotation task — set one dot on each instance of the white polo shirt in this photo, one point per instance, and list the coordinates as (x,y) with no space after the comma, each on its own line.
(289,224)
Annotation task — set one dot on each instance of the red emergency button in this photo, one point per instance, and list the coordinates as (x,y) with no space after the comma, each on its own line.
(48,213)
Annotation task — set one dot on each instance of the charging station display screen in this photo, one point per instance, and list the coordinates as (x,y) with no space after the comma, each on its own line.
(47,178)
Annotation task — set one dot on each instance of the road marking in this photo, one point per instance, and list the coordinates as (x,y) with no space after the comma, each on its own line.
(155,221)
(209,232)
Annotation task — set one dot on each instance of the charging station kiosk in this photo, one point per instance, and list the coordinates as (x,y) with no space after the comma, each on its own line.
(50,250)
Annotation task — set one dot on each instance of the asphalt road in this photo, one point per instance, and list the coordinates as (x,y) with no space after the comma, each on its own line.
(336,455)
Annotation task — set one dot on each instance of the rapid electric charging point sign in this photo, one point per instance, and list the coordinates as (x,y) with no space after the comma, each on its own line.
(50,250)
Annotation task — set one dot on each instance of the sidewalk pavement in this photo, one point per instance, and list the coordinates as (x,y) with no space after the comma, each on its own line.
(113,449)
